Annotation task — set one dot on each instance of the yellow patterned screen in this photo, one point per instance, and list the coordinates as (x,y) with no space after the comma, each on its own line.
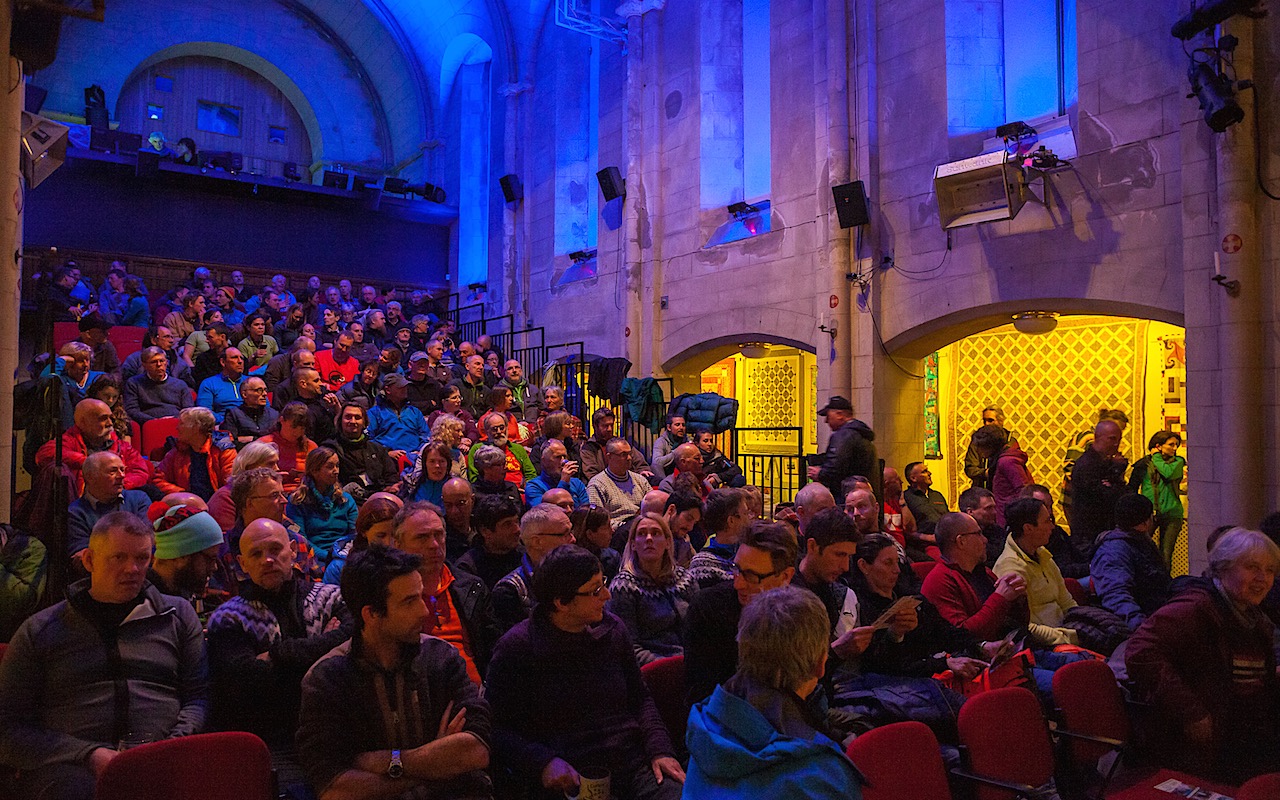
(771,398)
(1050,387)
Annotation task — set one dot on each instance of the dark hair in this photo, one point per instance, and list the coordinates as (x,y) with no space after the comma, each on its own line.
(220,328)
(1160,437)
(683,501)
(870,548)
(495,394)
(1115,415)
(560,575)
(375,510)
(850,483)
(104,381)
(906,471)
(832,526)
(972,497)
(1132,510)
(490,509)
(600,414)
(700,430)
(1020,513)
(1221,529)
(949,528)
(720,504)
(1035,488)
(991,438)
(778,539)
(553,425)
(295,413)
(367,575)
(585,519)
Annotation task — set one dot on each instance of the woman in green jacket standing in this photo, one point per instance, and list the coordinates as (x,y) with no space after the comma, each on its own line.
(1161,484)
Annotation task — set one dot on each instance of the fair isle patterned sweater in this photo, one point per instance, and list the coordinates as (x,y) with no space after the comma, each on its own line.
(653,613)
(320,606)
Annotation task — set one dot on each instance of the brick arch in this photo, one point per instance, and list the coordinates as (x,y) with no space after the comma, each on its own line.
(930,335)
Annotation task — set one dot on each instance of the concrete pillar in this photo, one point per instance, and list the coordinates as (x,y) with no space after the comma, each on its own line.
(635,211)
(1240,319)
(835,353)
(515,265)
(10,246)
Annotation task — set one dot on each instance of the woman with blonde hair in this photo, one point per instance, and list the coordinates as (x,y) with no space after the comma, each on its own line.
(651,593)
(252,456)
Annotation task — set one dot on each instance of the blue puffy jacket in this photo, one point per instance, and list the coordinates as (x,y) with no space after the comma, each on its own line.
(706,411)
(1129,576)
(735,752)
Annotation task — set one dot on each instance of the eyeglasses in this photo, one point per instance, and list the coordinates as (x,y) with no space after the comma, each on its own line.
(971,533)
(272,496)
(752,577)
(591,592)
(557,535)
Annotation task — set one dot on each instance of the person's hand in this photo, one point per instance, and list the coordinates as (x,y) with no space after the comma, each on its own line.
(397,454)
(812,472)
(966,668)
(904,621)
(666,765)
(560,776)
(330,401)
(853,642)
(568,470)
(992,650)
(465,444)
(264,656)
(647,473)
(1200,731)
(1011,586)
(99,759)
(450,725)
(333,625)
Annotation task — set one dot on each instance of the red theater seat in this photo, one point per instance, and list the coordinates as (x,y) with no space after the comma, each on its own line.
(665,680)
(207,766)
(879,755)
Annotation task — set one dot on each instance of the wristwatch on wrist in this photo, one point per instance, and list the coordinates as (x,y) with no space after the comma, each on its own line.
(396,768)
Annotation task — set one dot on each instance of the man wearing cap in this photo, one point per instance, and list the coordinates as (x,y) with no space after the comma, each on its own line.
(850,450)
(394,423)
(93,332)
(424,392)
(104,492)
(264,640)
(187,544)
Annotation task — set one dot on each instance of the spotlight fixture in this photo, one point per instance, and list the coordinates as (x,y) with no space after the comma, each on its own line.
(395,186)
(1035,323)
(1019,138)
(427,191)
(741,209)
(579,256)
(1207,14)
(755,349)
(1217,97)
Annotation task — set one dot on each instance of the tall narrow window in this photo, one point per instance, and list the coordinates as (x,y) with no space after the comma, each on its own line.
(735,97)
(474,189)
(757,142)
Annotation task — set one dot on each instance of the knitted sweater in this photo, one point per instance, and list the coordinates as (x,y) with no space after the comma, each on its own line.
(712,564)
(653,613)
(622,505)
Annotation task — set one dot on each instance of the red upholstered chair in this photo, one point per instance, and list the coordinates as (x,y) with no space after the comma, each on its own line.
(64,332)
(3,647)
(154,432)
(127,339)
(665,681)
(1263,787)
(1007,742)
(207,766)
(881,753)
(923,568)
(1078,592)
(135,431)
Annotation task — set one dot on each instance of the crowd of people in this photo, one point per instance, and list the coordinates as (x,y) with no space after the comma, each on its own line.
(408,569)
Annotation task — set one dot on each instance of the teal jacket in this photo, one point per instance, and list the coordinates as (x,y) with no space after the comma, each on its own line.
(735,751)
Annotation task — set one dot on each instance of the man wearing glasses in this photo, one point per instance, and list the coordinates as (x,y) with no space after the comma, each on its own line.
(258,494)
(765,559)
(543,528)
(457,603)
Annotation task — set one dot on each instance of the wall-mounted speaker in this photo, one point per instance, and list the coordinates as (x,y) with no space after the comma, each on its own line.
(612,184)
(512,189)
(851,204)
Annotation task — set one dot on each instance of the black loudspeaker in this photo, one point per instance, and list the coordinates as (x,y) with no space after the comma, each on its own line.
(851,204)
(512,189)
(612,185)
(34,40)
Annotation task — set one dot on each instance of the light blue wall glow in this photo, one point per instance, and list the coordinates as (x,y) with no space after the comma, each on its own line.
(1003,62)
(593,143)
(975,66)
(472,86)
(720,90)
(756,95)
(1031,86)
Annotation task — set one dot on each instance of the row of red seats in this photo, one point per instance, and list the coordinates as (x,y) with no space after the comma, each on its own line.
(126,338)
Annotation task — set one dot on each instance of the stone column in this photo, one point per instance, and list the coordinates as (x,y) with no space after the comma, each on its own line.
(515,262)
(835,353)
(11,190)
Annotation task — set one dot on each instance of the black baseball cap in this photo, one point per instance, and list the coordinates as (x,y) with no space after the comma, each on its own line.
(836,403)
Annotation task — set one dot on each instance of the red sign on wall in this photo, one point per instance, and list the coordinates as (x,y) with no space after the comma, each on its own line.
(1231,243)
(834,301)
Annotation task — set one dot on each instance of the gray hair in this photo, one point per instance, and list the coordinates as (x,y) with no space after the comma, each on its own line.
(255,454)
(94,463)
(201,416)
(782,636)
(539,518)
(79,351)
(488,456)
(1238,544)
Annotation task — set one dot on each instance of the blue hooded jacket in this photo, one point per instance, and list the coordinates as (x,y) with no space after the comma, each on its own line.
(735,752)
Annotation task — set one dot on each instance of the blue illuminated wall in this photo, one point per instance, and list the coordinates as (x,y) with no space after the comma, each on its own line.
(756,121)
(473,193)
(1003,62)
(576,143)
(735,83)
